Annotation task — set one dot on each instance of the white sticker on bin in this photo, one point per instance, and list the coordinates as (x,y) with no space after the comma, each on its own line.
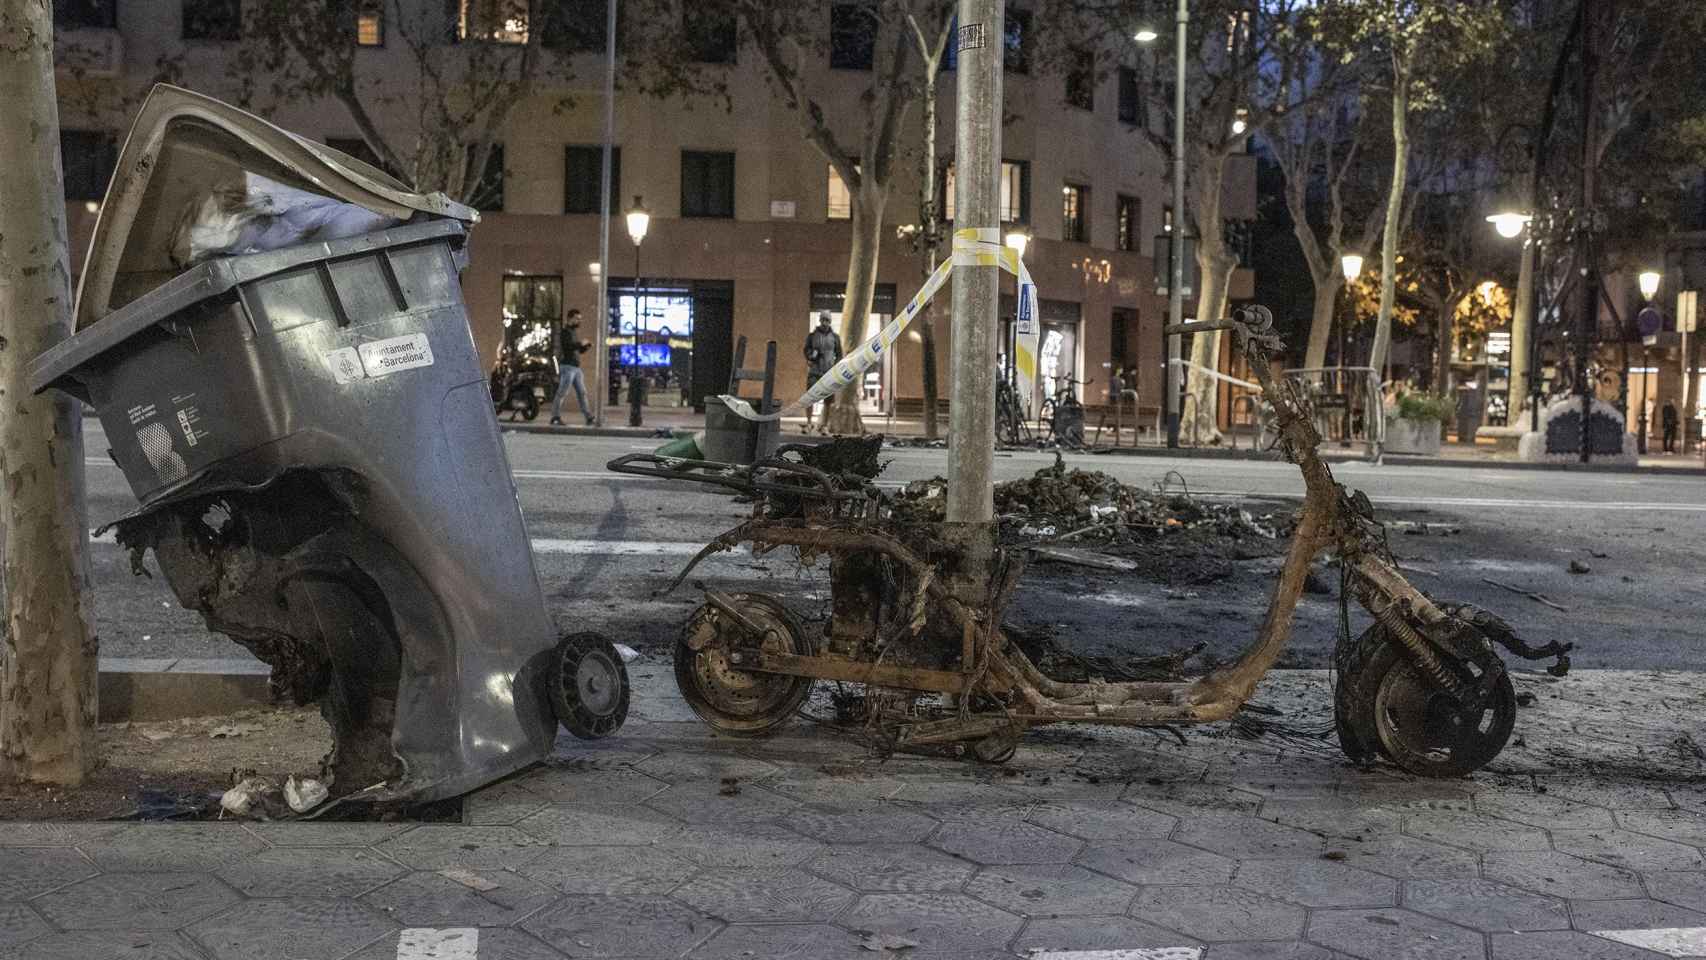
(395,354)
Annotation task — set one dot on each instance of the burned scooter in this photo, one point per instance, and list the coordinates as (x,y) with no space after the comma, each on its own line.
(1423,686)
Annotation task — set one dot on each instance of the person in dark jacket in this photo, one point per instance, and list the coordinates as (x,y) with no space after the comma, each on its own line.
(569,375)
(823,351)
(1669,419)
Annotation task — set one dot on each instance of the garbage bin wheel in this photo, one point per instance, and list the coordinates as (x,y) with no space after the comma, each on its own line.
(731,700)
(590,697)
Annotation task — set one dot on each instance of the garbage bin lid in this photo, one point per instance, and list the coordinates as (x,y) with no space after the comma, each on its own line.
(180,142)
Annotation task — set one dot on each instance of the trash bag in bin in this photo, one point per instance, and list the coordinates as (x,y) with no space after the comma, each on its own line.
(312,441)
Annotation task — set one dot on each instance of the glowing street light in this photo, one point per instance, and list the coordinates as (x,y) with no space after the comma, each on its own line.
(1145,34)
(1649,281)
(1509,224)
(1351,264)
(638,221)
(1018,240)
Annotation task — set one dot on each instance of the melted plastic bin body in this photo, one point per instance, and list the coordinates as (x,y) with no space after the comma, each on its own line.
(311,437)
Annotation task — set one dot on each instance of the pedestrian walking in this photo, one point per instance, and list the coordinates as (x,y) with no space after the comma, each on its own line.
(1669,419)
(823,351)
(569,375)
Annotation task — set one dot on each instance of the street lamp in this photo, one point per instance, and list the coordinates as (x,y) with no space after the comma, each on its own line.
(1018,240)
(1145,34)
(1649,281)
(638,222)
(1350,265)
(1509,224)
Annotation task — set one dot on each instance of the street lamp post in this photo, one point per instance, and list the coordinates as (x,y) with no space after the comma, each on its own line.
(1176,273)
(1525,339)
(1351,266)
(1648,319)
(1017,241)
(638,222)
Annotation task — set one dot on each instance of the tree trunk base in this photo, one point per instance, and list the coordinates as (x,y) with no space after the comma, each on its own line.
(841,418)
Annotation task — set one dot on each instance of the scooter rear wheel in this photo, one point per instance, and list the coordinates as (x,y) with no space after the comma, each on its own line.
(731,700)
(590,696)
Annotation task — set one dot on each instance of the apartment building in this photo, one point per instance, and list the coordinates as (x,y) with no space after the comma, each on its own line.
(749,231)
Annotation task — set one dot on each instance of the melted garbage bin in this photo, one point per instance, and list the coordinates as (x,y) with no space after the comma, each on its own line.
(274,338)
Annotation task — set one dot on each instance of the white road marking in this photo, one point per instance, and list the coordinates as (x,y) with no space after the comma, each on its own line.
(1670,941)
(619,548)
(427,943)
(1139,953)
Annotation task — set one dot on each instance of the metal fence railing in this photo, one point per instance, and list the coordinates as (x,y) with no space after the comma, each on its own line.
(1348,403)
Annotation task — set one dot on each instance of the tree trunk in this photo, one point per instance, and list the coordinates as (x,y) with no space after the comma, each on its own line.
(1521,330)
(841,416)
(1691,396)
(47,671)
(1394,208)
(929,222)
(1215,264)
(1442,334)
(1321,321)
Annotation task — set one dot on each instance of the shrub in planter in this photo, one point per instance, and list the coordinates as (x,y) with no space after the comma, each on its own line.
(1413,422)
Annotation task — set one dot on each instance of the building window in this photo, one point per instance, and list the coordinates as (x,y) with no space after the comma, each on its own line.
(492,21)
(1016,46)
(88,157)
(487,194)
(852,36)
(1015,192)
(583,179)
(1240,239)
(710,35)
(577,26)
(1074,210)
(85,15)
(1081,80)
(532,310)
(1132,108)
(370,24)
(840,198)
(217,20)
(1130,216)
(707,184)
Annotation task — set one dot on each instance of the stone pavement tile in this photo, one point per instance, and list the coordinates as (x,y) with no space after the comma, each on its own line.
(1486,905)
(1070,934)
(944,793)
(1191,799)
(322,834)
(1408,858)
(741,846)
(712,801)
(601,824)
(1623,848)
(1219,912)
(764,896)
(494,943)
(1611,794)
(1564,946)
(1317,883)
(136,901)
(1242,836)
(501,804)
(611,753)
(1005,841)
(27,872)
(1156,861)
(1682,889)
(1387,785)
(622,927)
(1391,933)
(474,898)
(859,823)
(437,846)
(1682,826)
(20,924)
(1561,875)
(945,923)
(713,765)
(891,867)
(1070,785)
(985,811)
(289,929)
(1102,819)
(609,871)
(790,941)
(577,783)
(1051,890)
(310,872)
(1638,914)
(1268,950)
(173,846)
(1336,818)
(64,834)
(1543,810)
(836,788)
(1475,832)
(107,945)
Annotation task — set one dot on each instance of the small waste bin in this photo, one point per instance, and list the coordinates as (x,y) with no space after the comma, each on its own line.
(731,438)
(314,447)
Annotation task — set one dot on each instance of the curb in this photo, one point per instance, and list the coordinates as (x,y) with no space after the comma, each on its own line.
(134,688)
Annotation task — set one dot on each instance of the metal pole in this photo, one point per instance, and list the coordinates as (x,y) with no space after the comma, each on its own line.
(977,152)
(1588,227)
(1176,281)
(600,350)
(636,394)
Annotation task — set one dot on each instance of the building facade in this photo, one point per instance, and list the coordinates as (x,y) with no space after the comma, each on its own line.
(749,235)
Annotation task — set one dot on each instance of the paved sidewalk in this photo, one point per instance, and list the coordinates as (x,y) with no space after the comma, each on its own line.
(1092,844)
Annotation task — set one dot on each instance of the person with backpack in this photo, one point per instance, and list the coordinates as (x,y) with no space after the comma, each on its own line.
(569,374)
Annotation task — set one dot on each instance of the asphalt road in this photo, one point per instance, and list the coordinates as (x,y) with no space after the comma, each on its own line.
(604,543)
